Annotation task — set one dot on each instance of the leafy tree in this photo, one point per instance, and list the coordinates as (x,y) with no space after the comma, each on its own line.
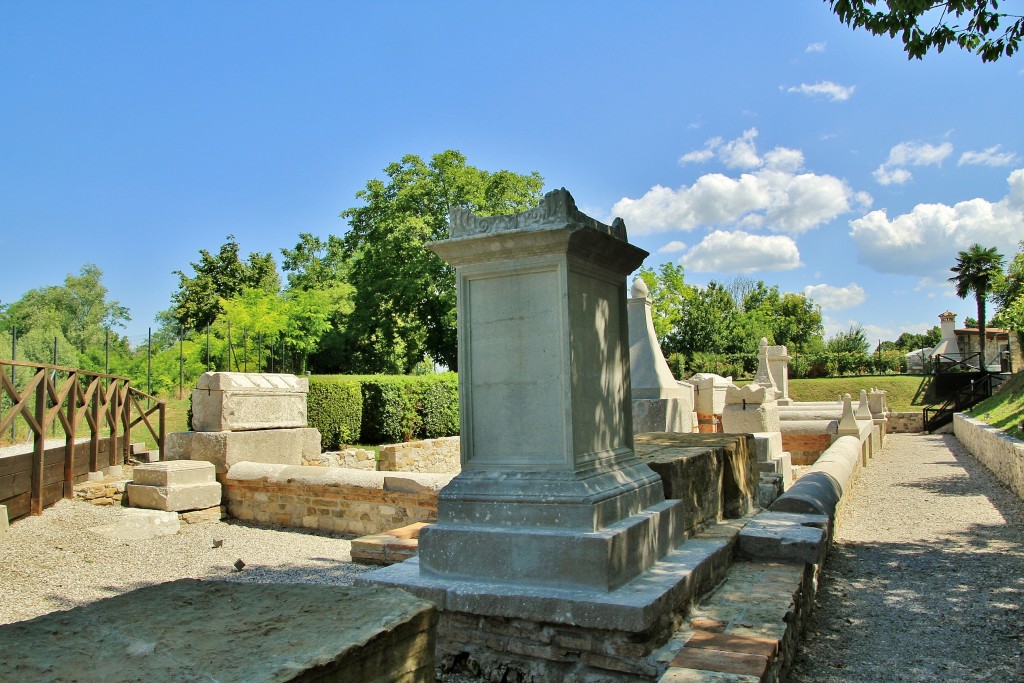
(910,19)
(1009,295)
(223,275)
(78,311)
(669,295)
(852,340)
(977,269)
(971,322)
(908,341)
(405,295)
(315,263)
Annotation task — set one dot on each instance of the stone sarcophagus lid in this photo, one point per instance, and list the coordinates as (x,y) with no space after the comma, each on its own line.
(241,401)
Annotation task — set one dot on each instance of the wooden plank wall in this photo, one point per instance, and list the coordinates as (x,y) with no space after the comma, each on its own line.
(16,475)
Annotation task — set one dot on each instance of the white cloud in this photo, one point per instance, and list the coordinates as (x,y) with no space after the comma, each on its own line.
(701,155)
(832,298)
(673,247)
(988,157)
(741,252)
(828,89)
(893,171)
(774,196)
(891,176)
(925,241)
(815,47)
(741,152)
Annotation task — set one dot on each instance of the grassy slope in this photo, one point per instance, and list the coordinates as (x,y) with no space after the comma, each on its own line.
(1005,410)
(902,389)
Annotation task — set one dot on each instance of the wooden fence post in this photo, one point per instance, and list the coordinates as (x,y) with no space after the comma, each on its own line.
(39,450)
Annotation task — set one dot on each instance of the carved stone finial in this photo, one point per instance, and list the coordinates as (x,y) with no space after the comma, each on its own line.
(639,289)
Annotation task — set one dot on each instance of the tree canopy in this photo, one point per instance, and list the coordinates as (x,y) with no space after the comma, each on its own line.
(925,25)
(223,275)
(404,305)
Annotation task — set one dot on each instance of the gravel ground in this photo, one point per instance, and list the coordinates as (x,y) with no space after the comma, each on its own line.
(924,582)
(52,562)
(926,577)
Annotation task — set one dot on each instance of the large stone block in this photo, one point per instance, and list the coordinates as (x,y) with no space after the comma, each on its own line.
(239,401)
(174,473)
(175,498)
(191,630)
(224,449)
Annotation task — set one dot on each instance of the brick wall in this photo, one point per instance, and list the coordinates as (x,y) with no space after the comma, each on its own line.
(805,449)
(430,455)
(333,499)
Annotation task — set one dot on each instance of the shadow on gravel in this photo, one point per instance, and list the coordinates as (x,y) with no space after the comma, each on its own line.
(948,610)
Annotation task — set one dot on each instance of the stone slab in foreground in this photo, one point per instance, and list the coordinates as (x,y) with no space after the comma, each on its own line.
(191,630)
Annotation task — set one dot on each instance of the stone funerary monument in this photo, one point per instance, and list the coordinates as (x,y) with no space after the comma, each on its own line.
(554,523)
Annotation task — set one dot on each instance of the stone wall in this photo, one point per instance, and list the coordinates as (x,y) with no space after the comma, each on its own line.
(430,455)
(905,423)
(330,498)
(1002,454)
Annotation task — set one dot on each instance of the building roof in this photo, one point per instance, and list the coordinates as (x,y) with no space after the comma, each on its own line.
(988,331)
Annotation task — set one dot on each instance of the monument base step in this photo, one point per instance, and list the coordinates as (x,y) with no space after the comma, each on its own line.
(550,633)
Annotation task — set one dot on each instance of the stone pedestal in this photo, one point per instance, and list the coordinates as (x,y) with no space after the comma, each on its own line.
(709,399)
(224,449)
(176,486)
(554,516)
(778,366)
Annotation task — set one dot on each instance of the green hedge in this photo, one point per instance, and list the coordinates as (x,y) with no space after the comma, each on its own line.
(335,407)
(391,408)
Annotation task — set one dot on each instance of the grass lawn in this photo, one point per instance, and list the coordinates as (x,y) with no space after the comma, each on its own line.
(905,392)
(1004,410)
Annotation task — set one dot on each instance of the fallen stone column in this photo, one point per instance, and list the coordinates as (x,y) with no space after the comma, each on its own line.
(820,490)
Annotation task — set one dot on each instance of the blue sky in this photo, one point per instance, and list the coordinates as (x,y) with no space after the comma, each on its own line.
(762,139)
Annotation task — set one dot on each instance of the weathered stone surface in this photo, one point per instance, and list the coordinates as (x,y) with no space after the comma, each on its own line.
(785,537)
(1003,455)
(222,631)
(137,525)
(650,376)
(174,473)
(388,547)
(663,415)
(178,498)
(715,475)
(207,516)
(224,449)
(691,569)
(238,401)
(709,394)
(4,521)
(428,455)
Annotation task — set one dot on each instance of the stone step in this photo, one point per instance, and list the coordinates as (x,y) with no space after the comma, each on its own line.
(746,630)
(147,456)
(388,547)
(137,447)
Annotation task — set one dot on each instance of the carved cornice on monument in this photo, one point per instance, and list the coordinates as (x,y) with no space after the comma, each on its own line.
(557,209)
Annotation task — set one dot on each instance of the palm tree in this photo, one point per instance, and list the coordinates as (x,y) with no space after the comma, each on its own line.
(976,270)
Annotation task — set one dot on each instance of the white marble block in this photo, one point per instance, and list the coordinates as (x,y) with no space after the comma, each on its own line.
(239,401)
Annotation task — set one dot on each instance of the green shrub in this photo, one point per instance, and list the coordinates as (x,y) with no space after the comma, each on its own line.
(389,412)
(335,408)
(402,408)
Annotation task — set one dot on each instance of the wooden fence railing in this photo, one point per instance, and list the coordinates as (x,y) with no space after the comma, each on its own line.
(104,401)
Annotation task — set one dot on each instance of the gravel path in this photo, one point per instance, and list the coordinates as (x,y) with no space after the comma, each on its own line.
(926,578)
(52,562)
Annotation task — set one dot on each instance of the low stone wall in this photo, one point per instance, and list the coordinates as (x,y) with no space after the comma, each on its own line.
(331,498)
(821,489)
(905,423)
(352,458)
(430,455)
(1002,454)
